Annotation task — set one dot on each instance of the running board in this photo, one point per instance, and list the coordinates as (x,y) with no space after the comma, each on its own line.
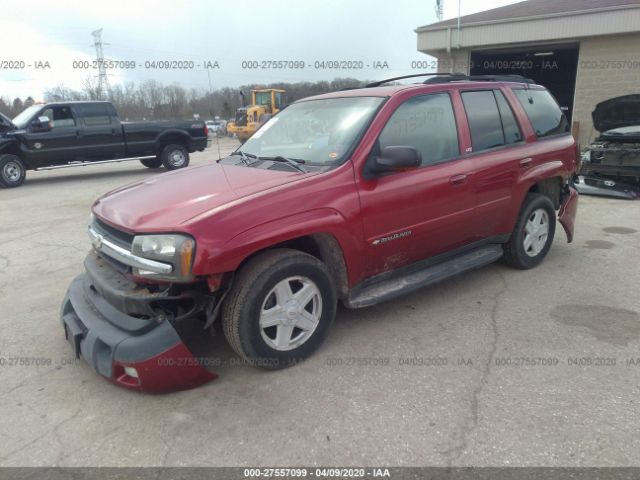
(98,162)
(402,284)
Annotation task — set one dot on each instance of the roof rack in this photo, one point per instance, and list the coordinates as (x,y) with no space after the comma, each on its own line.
(445,77)
(456,77)
(387,80)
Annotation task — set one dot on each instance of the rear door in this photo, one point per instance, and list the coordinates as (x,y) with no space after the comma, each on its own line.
(418,213)
(59,145)
(102,133)
(498,151)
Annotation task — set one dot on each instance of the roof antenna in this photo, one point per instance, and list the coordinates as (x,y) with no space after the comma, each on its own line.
(218,143)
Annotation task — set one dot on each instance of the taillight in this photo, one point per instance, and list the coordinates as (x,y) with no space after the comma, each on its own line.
(206,129)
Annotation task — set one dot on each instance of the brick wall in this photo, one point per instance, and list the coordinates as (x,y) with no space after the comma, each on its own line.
(597,80)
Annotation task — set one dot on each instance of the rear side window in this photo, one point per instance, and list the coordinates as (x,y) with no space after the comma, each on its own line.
(95,114)
(427,123)
(484,120)
(543,111)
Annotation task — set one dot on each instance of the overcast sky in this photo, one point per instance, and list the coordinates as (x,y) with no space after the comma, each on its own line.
(59,32)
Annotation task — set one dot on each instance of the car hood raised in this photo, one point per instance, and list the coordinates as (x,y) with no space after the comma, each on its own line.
(617,112)
(164,202)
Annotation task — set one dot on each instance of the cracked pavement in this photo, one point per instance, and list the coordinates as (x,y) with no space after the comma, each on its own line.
(495,367)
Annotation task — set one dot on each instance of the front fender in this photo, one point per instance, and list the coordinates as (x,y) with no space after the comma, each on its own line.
(8,144)
(260,237)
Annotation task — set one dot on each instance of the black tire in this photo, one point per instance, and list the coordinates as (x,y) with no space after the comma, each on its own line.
(251,291)
(515,254)
(174,156)
(152,162)
(12,171)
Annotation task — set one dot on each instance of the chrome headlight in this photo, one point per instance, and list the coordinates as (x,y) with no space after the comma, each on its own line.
(177,250)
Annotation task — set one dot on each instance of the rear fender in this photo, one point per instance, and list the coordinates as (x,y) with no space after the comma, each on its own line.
(529,178)
(173,135)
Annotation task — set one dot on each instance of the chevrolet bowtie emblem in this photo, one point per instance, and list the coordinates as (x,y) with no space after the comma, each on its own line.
(97,242)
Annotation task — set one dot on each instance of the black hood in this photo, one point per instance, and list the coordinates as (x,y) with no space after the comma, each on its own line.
(617,112)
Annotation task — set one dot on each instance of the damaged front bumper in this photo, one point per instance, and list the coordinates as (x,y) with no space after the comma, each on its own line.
(104,319)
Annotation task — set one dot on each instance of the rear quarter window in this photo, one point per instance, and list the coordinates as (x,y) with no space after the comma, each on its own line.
(543,111)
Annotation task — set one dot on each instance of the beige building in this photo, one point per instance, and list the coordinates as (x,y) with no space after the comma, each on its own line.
(583,51)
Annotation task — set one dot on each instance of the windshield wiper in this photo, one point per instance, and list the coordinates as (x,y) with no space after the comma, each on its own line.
(294,162)
(245,157)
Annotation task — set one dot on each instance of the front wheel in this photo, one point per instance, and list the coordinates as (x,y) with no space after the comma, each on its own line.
(534,232)
(174,156)
(12,171)
(279,308)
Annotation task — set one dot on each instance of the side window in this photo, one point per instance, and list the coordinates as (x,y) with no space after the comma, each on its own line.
(95,114)
(543,111)
(59,117)
(427,123)
(484,120)
(512,133)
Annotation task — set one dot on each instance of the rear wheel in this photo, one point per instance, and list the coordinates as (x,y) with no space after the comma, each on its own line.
(279,308)
(12,171)
(174,156)
(151,162)
(534,232)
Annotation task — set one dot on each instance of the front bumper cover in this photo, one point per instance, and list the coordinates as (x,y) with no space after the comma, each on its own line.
(110,340)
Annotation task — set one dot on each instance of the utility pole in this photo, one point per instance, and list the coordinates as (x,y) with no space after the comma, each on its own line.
(104,90)
(439,9)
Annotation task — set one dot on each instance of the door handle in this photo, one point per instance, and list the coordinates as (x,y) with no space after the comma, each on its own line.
(458,179)
(526,162)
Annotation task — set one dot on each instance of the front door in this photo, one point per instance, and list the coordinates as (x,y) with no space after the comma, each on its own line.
(419,213)
(59,145)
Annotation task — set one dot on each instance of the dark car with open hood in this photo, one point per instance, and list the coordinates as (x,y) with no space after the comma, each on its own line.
(611,164)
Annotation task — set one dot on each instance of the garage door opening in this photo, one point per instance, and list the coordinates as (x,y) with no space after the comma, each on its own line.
(554,67)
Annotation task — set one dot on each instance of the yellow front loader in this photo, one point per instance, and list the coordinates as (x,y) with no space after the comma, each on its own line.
(264,104)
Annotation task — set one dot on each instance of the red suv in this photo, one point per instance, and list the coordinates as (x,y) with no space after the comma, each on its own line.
(356,196)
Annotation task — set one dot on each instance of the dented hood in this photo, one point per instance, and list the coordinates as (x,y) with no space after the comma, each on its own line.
(164,202)
(617,112)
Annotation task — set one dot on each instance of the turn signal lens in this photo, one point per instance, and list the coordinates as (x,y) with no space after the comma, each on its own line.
(186,257)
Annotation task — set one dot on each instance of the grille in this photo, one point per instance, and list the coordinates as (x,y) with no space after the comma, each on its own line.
(118,237)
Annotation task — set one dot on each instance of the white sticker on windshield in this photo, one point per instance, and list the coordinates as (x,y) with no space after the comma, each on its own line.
(265,127)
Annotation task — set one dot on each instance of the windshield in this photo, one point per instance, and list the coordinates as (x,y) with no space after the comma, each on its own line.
(316,131)
(4,120)
(23,118)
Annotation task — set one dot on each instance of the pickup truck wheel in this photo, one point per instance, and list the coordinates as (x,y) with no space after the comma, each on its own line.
(279,308)
(151,162)
(174,156)
(12,171)
(533,235)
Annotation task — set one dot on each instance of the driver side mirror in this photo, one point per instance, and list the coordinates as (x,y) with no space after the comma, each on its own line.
(396,158)
(41,124)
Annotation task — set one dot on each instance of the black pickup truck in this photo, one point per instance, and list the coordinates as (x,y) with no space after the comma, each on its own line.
(58,135)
